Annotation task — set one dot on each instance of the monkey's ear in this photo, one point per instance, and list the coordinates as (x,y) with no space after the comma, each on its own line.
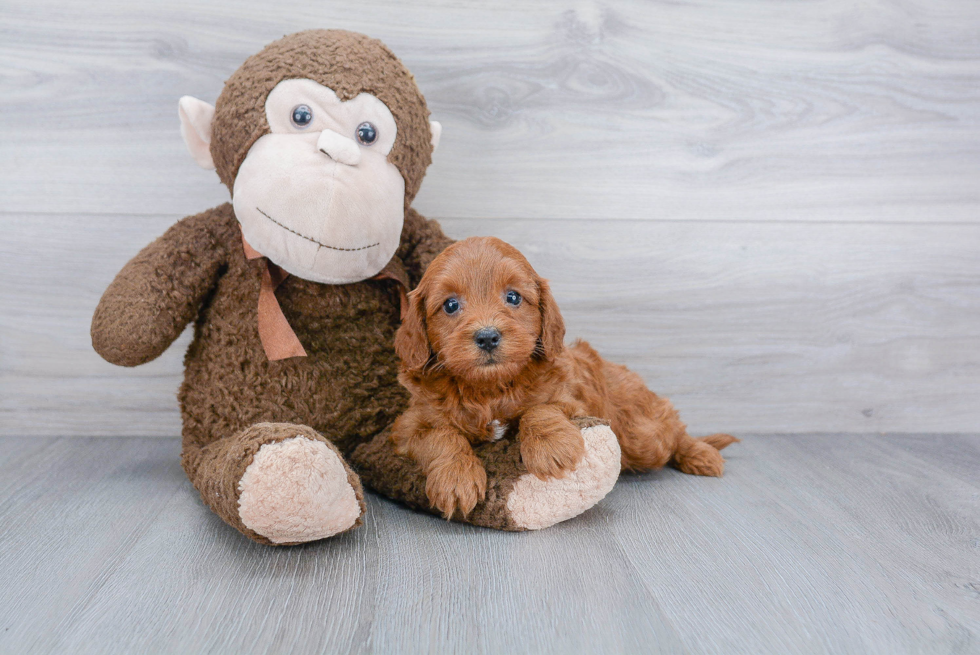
(436,128)
(411,339)
(195,126)
(552,340)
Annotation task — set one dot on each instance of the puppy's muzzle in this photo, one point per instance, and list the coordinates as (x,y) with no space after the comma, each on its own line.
(487,338)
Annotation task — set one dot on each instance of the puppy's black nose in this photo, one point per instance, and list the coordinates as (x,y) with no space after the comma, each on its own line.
(487,338)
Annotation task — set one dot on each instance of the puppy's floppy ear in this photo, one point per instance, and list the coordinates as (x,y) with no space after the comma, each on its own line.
(552,339)
(412,340)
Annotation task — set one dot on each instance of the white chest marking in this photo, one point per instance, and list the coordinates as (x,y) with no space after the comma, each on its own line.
(499,430)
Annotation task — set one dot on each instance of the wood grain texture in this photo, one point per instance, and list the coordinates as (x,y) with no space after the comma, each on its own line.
(809,544)
(823,110)
(751,327)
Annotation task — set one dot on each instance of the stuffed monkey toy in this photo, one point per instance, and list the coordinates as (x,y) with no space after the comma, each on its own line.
(295,289)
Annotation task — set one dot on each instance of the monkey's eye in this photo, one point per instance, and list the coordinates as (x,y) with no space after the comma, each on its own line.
(451,306)
(367,133)
(513,298)
(302,116)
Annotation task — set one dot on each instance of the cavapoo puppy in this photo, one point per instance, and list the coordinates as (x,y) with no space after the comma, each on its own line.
(482,353)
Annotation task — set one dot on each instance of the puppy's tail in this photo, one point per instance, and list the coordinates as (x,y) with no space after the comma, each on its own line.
(719,441)
(701,456)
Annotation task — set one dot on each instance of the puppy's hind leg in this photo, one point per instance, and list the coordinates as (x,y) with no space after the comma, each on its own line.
(701,456)
(651,434)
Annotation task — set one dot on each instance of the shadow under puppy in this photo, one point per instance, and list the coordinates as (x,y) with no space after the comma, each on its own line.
(482,354)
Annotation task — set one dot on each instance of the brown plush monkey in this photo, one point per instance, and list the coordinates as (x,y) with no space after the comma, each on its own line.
(295,290)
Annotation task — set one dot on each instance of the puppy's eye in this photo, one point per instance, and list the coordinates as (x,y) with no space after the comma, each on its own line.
(451,306)
(367,133)
(302,116)
(513,298)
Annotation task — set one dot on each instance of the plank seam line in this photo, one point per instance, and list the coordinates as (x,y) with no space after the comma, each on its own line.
(692,221)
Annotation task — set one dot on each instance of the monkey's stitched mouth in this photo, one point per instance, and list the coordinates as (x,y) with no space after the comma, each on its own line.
(303,236)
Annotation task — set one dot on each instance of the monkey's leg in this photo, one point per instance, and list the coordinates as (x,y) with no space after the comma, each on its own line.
(515,499)
(277,483)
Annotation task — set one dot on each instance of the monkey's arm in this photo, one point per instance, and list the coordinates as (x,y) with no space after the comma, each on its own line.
(422,240)
(515,499)
(160,290)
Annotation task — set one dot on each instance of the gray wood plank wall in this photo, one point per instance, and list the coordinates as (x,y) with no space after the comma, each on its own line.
(768,209)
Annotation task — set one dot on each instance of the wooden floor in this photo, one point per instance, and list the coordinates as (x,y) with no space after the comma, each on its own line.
(809,544)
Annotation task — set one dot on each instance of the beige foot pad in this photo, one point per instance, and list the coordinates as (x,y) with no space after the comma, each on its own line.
(297,490)
(534,503)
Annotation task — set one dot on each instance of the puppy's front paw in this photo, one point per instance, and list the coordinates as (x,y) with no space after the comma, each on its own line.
(459,482)
(554,454)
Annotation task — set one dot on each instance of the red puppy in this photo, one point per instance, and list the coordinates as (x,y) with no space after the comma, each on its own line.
(483,355)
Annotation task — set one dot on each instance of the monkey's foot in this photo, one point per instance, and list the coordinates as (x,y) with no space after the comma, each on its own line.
(534,503)
(515,499)
(297,490)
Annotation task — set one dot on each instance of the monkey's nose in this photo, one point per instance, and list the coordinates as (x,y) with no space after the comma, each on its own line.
(339,148)
(487,338)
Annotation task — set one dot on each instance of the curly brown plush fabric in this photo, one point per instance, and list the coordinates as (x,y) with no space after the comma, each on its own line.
(346,388)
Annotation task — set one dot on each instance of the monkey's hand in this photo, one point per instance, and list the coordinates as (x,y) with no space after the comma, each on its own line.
(155,295)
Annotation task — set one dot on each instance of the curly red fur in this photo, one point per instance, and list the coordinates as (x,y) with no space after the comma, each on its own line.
(531,384)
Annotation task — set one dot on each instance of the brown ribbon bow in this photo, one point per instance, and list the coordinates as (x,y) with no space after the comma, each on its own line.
(278,339)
